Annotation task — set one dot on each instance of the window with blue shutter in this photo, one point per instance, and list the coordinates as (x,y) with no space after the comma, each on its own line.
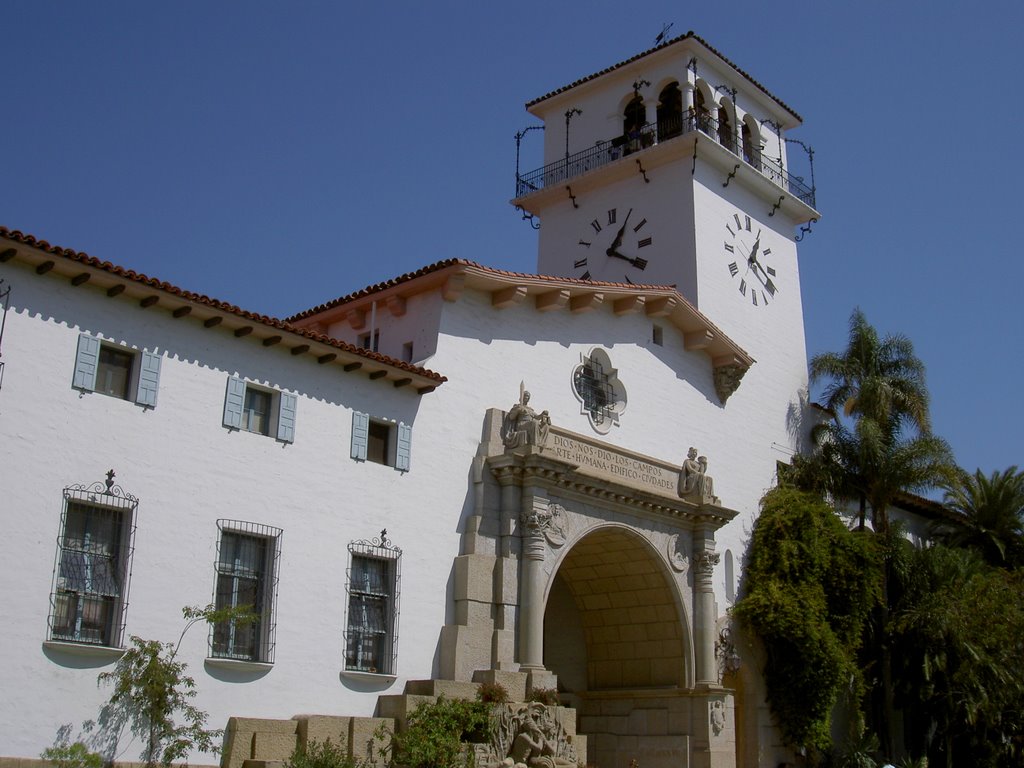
(360,434)
(149,379)
(86,362)
(234,402)
(286,417)
(116,370)
(404,450)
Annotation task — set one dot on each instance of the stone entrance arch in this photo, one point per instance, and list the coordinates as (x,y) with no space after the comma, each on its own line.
(614,618)
(588,567)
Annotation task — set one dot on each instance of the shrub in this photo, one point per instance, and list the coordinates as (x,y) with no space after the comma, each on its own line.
(436,732)
(321,754)
(492,693)
(548,696)
(75,755)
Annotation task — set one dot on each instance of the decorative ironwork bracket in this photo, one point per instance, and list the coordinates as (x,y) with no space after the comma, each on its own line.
(777,205)
(805,230)
(730,177)
(643,172)
(693,169)
(571,196)
(528,217)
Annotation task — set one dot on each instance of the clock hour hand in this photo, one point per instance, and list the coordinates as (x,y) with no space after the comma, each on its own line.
(637,262)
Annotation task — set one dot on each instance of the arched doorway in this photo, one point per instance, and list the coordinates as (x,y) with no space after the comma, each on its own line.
(617,637)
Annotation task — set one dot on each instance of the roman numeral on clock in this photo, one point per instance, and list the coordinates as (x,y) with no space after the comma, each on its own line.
(611,216)
(743,287)
(584,242)
(596,225)
(730,248)
(733,269)
(644,243)
(585,275)
(639,226)
(580,262)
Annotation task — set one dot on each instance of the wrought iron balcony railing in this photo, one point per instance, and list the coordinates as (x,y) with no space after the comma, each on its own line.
(608,151)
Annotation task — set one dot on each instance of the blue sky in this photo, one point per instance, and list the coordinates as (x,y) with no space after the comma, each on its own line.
(276,155)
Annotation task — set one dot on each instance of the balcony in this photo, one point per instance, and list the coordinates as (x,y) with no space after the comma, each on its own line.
(608,151)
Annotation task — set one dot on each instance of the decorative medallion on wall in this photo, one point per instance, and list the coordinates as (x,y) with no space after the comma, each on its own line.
(596,385)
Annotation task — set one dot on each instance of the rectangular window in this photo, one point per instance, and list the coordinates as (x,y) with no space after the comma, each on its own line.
(370,341)
(116,370)
(263,411)
(371,639)
(256,411)
(382,442)
(93,564)
(247,555)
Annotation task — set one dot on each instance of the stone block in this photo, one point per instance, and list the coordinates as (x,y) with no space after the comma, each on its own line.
(270,745)
(472,613)
(366,737)
(464,650)
(506,581)
(580,742)
(321,728)
(503,650)
(567,717)
(513,682)
(541,679)
(240,743)
(474,576)
(398,707)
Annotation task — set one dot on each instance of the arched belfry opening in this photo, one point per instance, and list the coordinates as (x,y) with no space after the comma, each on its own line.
(613,618)
(670,112)
(725,130)
(634,116)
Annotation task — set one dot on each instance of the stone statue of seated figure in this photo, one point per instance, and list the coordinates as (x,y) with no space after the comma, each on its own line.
(524,426)
(694,482)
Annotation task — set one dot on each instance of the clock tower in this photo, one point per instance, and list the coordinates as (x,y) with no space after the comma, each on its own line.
(671,168)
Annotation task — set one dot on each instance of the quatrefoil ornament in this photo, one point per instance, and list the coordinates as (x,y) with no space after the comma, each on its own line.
(596,384)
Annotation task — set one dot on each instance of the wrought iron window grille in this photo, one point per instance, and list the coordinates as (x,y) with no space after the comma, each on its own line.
(592,386)
(373,586)
(93,564)
(246,574)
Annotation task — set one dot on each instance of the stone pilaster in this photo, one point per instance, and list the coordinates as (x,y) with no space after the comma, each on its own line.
(705,612)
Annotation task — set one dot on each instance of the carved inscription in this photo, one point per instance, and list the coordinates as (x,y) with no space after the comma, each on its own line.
(614,466)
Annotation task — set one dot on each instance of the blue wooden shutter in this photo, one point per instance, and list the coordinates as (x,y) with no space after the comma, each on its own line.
(286,417)
(149,379)
(234,402)
(403,454)
(86,362)
(360,434)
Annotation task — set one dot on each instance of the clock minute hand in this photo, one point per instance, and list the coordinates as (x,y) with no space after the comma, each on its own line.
(637,262)
(620,234)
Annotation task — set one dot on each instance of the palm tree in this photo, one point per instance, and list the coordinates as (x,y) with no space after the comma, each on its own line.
(878,441)
(990,512)
(877,444)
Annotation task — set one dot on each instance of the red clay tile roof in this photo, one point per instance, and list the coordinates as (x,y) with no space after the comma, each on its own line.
(691,35)
(223,306)
(440,265)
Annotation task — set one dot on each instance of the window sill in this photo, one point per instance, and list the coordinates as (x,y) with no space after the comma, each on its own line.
(84,649)
(238,664)
(376,677)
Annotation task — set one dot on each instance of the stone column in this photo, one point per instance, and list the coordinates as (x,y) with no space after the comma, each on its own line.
(510,495)
(531,585)
(687,89)
(705,612)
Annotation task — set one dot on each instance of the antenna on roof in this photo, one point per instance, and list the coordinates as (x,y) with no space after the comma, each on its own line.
(663,34)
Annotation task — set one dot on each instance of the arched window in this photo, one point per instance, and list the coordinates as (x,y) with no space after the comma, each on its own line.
(634,119)
(670,112)
(725,134)
(751,146)
(700,111)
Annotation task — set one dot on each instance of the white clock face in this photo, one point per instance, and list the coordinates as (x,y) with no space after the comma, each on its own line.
(614,246)
(748,254)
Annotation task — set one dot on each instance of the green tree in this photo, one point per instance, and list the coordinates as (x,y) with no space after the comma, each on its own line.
(153,696)
(958,639)
(876,445)
(989,515)
(809,586)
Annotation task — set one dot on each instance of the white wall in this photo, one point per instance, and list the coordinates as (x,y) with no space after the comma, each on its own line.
(188,470)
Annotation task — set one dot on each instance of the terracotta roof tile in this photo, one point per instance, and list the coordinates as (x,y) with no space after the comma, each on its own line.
(691,35)
(223,306)
(440,265)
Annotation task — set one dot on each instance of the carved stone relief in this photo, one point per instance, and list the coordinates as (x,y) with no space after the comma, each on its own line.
(676,557)
(704,562)
(717,717)
(529,735)
(548,521)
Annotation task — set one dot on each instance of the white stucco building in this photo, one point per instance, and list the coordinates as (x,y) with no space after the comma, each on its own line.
(259,460)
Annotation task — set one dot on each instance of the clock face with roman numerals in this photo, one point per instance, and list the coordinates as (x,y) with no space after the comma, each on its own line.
(748,256)
(614,246)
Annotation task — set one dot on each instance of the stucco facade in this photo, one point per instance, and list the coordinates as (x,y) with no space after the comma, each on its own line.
(578,550)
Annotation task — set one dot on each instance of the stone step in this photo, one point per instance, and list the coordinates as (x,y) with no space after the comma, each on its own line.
(450,689)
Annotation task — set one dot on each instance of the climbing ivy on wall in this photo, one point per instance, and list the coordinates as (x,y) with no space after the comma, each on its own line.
(809,587)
